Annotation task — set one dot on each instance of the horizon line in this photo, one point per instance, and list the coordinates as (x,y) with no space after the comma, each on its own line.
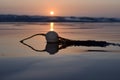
(57,16)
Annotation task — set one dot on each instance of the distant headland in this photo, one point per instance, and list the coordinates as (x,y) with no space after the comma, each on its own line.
(28,18)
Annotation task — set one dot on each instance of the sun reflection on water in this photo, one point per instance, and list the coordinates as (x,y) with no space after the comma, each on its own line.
(51,26)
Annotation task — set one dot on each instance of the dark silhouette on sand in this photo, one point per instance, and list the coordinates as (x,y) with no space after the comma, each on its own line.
(63,43)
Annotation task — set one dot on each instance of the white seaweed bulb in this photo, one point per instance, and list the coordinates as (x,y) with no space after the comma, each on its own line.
(52,37)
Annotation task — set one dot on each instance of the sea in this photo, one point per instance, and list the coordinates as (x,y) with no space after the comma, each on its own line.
(35,59)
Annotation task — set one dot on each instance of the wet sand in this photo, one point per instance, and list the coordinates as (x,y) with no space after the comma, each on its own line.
(19,62)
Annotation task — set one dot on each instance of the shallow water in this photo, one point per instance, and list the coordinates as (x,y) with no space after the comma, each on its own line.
(19,62)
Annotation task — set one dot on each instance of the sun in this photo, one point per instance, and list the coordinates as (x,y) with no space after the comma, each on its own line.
(52,13)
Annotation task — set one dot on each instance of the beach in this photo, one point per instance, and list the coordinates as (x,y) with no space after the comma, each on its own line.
(20,62)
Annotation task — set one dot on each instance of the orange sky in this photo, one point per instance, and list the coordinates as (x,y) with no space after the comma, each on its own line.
(97,8)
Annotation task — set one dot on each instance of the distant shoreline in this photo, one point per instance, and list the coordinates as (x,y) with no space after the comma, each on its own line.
(26,18)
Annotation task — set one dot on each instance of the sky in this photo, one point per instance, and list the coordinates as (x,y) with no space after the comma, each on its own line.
(90,8)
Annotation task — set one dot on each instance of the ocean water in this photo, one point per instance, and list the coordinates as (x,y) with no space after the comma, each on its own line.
(37,60)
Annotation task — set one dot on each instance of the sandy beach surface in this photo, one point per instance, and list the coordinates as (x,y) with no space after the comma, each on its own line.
(20,62)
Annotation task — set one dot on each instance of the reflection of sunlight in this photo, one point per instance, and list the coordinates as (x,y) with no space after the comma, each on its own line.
(51,26)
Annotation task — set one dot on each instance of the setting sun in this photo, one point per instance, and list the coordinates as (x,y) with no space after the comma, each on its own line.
(52,13)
